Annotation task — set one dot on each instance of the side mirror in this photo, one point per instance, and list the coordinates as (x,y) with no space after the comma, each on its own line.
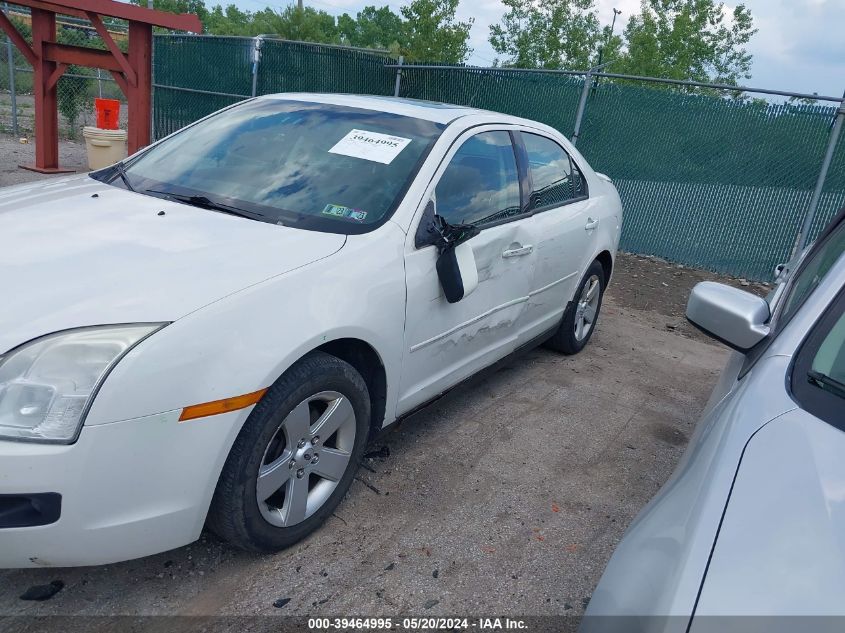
(457,272)
(456,268)
(732,316)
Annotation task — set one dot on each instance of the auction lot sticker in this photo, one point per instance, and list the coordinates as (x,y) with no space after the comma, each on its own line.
(380,148)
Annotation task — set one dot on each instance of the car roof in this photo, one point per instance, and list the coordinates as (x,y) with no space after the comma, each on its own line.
(417,108)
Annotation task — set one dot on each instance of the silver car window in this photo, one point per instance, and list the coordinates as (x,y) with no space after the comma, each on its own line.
(818,375)
(810,275)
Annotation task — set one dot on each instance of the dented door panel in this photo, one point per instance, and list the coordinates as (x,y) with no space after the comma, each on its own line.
(445,343)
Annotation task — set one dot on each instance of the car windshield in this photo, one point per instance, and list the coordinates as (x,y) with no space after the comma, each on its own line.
(309,165)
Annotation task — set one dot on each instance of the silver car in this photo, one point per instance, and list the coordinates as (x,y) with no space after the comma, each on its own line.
(752,522)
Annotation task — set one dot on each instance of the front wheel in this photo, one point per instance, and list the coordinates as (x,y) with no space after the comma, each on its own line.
(581,315)
(295,457)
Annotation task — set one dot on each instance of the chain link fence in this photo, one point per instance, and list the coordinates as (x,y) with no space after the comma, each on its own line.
(197,75)
(713,177)
(76,89)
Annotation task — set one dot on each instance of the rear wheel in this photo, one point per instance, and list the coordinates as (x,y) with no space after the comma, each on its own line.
(581,315)
(295,457)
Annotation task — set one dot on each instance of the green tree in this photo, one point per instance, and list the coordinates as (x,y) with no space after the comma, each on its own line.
(432,33)
(688,39)
(556,34)
(306,24)
(372,28)
(229,21)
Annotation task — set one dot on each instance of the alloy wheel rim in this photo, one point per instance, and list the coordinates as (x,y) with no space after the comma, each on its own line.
(587,307)
(306,458)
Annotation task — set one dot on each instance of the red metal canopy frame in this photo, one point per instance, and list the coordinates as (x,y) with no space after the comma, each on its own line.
(132,71)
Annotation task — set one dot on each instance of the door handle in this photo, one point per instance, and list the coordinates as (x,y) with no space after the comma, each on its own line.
(591,224)
(518,252)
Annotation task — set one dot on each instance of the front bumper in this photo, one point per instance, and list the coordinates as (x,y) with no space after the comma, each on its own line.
(128,489)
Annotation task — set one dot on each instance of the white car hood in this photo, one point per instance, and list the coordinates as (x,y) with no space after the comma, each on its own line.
(68,259)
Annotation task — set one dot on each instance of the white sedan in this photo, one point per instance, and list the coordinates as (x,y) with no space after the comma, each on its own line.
(207,333)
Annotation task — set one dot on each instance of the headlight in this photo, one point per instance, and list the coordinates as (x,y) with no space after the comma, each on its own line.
(47,385)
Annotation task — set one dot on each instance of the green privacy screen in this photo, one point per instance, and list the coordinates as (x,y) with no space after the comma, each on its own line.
(706,180)
(197,75)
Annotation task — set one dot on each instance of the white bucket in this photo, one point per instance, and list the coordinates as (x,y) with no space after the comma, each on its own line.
(105,147)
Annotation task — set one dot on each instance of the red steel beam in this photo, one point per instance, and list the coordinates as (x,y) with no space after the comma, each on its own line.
(49,59)
(46,104)
(54,8)
(131,12)
(54,77)
(115,50)
(80,55)
(140,96)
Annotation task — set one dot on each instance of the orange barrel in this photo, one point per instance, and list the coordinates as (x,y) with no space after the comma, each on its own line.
(108,113)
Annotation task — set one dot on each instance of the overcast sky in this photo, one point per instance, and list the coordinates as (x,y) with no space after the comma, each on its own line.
(800,45)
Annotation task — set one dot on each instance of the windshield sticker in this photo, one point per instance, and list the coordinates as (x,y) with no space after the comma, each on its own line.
(339,211)
(380,148)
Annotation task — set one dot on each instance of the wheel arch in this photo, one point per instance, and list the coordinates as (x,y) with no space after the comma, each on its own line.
(606,261)
(367,362)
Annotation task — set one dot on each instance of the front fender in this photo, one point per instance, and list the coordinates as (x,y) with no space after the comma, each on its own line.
(245,341)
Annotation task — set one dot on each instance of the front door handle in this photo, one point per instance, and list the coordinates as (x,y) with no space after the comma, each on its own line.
(518,252)
(591,224)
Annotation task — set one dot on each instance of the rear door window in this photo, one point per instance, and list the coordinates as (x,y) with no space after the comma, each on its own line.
(555,179)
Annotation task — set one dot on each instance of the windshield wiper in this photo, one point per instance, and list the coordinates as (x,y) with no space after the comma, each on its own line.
(826,382)
(206,203)
(120,170)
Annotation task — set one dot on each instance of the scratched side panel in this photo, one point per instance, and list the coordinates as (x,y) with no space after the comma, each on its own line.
(445,343)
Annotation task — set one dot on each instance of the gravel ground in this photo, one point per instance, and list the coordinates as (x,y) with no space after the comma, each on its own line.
(505,497)
(13,153)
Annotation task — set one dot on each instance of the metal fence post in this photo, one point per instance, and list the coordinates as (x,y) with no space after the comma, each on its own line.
(398,77)
(10,56)
(807,224)
(256,59)
(582,106)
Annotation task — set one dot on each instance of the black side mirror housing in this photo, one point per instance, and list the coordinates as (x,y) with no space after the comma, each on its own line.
(426,234)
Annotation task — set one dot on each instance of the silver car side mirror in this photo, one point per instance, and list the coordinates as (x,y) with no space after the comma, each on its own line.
(732,316)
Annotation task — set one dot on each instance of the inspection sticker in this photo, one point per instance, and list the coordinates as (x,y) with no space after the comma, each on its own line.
(339,211)
(380,148)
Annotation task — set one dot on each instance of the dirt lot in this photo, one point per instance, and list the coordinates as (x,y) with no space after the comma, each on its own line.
(13,153)
(505,497)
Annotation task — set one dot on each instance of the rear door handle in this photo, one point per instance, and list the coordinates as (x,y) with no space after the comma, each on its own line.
(591,224)
(518,252)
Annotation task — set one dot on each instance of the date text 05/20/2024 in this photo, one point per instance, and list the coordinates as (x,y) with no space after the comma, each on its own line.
(416,624)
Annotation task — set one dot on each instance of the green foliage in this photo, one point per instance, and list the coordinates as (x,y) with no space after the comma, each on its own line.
(306,25)
(227,21)
(702,40)
(372,28)
(423,30)
(553,34)
(688,39)
(432,33)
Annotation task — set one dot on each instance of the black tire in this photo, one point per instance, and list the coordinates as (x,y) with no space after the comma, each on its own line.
(234,514)
(564,339)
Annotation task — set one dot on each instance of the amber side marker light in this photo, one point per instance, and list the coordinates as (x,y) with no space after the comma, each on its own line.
(221,406)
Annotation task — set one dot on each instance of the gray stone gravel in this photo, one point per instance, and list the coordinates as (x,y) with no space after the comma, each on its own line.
(14,153)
